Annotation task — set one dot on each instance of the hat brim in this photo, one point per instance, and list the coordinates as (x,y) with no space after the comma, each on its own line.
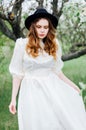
(31,18)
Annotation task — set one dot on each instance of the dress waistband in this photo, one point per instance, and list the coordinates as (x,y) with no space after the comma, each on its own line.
(38,73)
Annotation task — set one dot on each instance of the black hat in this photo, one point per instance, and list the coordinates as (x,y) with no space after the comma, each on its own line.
(40,13)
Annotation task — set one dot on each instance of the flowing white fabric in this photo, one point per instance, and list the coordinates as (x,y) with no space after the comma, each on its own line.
(45,101)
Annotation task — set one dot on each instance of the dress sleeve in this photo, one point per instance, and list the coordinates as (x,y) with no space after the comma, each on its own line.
(58,63)
(16,64)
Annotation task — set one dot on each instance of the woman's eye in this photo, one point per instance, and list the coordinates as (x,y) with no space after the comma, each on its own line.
(46,27)
(37,26)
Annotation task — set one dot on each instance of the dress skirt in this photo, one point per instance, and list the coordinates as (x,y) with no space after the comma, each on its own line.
(48,103)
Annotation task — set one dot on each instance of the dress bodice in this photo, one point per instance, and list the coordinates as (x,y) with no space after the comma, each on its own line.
(38,66)
(44,61)
(22,63)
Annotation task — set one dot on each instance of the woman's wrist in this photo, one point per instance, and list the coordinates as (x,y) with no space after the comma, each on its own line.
(13,100)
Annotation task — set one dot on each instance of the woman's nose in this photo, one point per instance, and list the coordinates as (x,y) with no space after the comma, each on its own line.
(42,29)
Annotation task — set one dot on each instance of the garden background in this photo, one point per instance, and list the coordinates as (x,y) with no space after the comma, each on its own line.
(71,33)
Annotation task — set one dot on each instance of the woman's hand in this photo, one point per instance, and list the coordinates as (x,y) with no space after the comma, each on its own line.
(68,81)
(12,107)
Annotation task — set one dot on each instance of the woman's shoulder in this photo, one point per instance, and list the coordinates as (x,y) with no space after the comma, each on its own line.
(21,41)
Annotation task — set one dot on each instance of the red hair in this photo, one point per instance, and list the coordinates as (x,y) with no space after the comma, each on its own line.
(33,45)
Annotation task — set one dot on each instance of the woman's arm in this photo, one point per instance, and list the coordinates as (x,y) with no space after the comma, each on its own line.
(68,81)
(16,84)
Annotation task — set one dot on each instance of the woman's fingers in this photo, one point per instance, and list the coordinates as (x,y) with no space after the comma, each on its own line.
(12,109)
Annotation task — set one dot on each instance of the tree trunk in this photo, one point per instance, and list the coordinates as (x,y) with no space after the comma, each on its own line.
(6,31)
(74,55)
(14,19)
(40,3)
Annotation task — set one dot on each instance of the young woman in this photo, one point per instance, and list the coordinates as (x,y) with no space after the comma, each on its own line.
(48,100)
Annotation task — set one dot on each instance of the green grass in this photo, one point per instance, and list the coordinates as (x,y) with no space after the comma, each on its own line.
(74,69)
(7,121)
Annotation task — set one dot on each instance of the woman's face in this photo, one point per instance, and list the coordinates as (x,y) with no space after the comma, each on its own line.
(42,28)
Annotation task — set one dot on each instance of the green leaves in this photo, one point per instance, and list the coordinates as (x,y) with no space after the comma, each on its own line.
(72,26)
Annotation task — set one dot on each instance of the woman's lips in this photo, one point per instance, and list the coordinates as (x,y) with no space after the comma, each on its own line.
(41,35)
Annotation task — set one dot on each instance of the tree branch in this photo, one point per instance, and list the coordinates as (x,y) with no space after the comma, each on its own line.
(17,9)
(56,11)
(60,12)
(17,6)
(6,31)
(76,46)
(54,8)
(40,3)
(74,55)
(3,16)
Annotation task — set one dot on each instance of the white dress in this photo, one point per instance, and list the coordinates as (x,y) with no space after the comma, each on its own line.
(45,101)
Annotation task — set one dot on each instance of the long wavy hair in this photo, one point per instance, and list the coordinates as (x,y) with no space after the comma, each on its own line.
(33,45)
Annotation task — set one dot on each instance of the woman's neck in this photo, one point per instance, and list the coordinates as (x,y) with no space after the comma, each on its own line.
(41,44)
